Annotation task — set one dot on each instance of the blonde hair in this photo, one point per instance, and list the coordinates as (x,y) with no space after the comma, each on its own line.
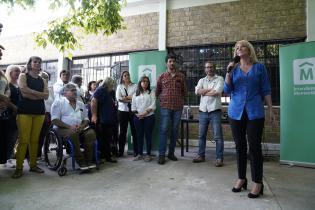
(8,71)
(252,54)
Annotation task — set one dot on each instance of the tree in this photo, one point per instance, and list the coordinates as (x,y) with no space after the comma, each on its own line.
(84,17)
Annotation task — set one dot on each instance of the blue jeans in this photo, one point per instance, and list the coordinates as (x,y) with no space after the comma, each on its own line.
(144,128)
(169,116)
(215,119)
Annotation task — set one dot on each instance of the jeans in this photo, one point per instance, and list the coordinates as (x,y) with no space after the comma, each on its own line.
(144,128)
(252,131)
(214,118)
(173,117)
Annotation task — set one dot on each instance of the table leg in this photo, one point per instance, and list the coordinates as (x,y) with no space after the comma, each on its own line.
(182,138)
(187,136)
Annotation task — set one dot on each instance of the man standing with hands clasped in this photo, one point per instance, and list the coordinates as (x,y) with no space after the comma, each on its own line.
(210,89)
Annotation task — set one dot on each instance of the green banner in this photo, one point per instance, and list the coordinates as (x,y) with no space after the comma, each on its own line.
(151,64)
(297,98)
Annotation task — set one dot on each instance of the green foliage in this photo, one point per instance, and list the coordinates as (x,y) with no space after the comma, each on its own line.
(87,16)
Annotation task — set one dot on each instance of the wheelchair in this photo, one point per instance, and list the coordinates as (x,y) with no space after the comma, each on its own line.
(58,150)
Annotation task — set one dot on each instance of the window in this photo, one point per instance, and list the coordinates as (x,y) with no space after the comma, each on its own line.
(98,67)
(190,61)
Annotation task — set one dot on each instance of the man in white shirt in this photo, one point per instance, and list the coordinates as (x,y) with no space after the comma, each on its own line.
(70,118)
(64,79)
(210,89)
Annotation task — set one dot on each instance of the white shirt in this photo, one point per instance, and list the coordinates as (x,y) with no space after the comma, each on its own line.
(62,110)
(210,103)
(50,99)
(57,87)
(143,102)
(120,93)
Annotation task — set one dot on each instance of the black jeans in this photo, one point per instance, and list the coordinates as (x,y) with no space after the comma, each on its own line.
(254,130)
(104,133)
(124,118)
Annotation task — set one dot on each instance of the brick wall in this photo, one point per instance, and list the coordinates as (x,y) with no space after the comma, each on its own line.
(271,133)
(141,33)
(229,22)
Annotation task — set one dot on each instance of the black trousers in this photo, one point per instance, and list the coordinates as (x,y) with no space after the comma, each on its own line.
(253,129)
(104,133)
(125,118)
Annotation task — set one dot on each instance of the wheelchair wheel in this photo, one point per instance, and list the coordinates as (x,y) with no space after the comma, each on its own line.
(62,171)
(53,150)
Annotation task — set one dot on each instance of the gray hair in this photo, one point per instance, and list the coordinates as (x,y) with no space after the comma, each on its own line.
(9,69)
(76,78)
(108,83)
(68,87)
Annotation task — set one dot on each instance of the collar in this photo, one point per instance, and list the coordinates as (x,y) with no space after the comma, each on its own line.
(214,77)
(76,103)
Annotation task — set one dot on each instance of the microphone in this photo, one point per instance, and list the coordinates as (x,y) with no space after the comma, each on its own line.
(236,59)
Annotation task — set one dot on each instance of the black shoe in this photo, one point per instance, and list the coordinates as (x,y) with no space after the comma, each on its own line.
(37,169)
(244,186)
(172,157)
(111,160)
(261,192)
(161,160)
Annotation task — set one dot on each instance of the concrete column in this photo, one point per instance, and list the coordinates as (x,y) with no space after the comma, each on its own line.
(162,25)
(310,20)
(63,63)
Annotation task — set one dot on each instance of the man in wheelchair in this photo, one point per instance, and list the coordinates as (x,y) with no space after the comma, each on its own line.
(70,119)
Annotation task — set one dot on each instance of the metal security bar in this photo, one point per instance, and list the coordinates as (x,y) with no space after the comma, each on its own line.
(98,67)
(191,59)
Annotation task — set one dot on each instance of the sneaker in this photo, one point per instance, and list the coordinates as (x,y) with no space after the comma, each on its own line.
(161,160)
(91,165)
(37,169)
(172,157)
(139,157)
(17,173)
(9,164)
(83,167)
(218,163)
(199,159)
(147,158)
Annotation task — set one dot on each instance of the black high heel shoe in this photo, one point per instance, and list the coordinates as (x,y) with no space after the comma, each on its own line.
(244,186)
(261,192)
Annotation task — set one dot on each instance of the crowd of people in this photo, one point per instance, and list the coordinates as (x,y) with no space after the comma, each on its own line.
(29,107)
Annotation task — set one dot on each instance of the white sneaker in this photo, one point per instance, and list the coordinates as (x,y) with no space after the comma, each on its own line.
(10,163)
(92,166)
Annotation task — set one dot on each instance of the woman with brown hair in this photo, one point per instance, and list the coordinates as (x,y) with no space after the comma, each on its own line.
(124,93)
(31,114)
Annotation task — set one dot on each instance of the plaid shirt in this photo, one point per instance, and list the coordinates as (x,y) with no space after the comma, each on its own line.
(171,90)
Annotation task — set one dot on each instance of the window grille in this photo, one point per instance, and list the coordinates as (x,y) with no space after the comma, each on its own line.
(98,67)
(191,59)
